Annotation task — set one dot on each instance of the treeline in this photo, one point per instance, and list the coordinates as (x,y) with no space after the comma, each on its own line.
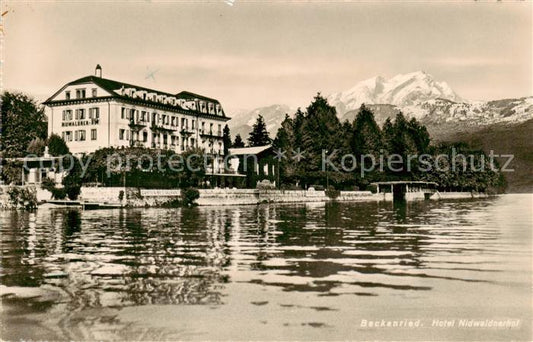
(304,138)
(400,150)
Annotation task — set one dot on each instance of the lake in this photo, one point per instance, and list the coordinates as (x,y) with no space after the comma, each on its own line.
(433,270)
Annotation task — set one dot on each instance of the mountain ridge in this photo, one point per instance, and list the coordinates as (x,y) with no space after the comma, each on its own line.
(416,94)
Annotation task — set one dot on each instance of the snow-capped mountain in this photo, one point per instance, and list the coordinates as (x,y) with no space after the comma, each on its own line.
(415,94)
(400,90)
(242,121)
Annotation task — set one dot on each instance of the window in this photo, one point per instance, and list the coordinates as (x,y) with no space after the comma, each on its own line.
(219,129)
(211,128)
(122,111)
(67,135)
(192,123)
(67,115)
(94,113)
(67,95)
(94,92)
(203,126)
(121,134)
(145,136)
(79,135)
(93,134)
(80,114)
(80,93)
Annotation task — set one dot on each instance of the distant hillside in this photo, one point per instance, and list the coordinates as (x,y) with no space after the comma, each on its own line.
(242,122)
(502,139)
(502,125)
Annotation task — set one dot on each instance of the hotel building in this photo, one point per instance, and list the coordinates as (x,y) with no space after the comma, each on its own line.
(93,112)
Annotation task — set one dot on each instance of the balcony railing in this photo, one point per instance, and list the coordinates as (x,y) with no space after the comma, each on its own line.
(210,134)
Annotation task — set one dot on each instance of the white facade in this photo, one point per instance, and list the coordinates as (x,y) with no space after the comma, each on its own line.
(90,114)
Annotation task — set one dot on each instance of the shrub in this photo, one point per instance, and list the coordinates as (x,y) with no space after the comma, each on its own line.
(50,185)
(332,193)
(265,184)
(72,191)
(189,196)
(59,193)
(173,203)
(23,197)
(72,181)
(57,146)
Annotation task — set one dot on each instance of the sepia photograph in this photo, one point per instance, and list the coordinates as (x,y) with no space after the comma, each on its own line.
(279,170)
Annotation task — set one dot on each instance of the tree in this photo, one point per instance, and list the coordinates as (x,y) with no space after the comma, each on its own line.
(366,137)
(73,181)
(284,141)
(22,121)
(320,132)
(57,146)
(226,139)
(238,141)
(259,135)
(36,147)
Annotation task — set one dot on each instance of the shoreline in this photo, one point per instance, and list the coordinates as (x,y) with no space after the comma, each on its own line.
(148,198)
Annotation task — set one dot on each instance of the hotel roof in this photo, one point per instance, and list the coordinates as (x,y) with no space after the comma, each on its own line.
(114,87)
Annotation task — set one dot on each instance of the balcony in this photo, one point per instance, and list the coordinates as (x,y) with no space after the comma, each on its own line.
(136,125)
(210,134)
(160,128)
(186,131)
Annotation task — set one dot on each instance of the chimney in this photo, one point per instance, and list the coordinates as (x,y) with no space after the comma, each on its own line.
(98,71)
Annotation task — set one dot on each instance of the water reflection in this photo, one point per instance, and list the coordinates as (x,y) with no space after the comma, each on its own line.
(121,258)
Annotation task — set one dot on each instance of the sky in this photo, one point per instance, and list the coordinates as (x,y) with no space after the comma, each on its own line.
(254,53)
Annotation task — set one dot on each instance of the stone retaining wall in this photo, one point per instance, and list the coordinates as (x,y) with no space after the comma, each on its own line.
(210,197)
(457,195)
(101,194)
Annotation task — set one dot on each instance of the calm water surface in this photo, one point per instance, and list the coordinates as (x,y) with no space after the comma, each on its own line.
(269,272)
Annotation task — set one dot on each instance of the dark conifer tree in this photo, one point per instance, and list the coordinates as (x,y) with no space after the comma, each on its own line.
(238,141)
(320,132)
(259,135)
(226,139)
(366,137)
